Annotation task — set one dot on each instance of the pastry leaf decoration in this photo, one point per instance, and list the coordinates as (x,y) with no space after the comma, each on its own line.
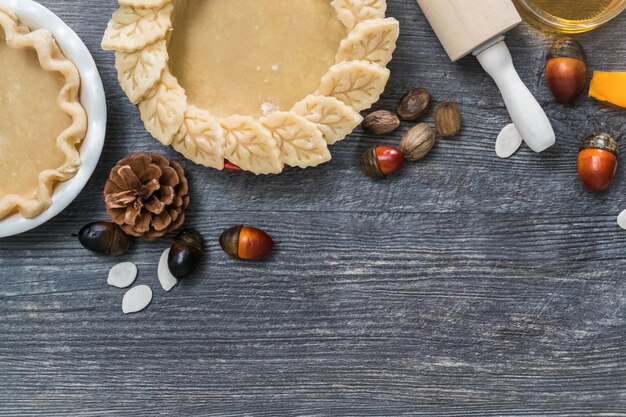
(301,143)
(163,109)
(333,118)
(372,40)
(251,146)
(358,84)
(146,4)
(201,139)
(139,71)
(352,12)
(133,28)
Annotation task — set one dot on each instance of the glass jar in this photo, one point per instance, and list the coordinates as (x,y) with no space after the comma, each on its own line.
(570,16)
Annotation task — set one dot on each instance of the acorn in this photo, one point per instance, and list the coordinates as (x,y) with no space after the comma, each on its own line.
(186,253)
(381,161)
(566,70)
(105,238)
(246,242)
(597,161)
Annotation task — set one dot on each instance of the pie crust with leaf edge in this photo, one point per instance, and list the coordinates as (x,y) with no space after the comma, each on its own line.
(41,121)
(262,84)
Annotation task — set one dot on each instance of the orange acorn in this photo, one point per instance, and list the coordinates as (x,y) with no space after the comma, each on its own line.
(246,242)
(382,161)
(566,70)
(597,161)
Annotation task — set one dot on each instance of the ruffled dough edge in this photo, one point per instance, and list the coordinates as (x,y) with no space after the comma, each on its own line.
(19,36)
(359,51)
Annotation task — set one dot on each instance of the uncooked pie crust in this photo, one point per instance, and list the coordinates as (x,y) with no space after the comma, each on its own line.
(42,120)
(192,100)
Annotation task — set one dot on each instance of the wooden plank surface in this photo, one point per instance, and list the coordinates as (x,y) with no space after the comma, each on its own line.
(467,285)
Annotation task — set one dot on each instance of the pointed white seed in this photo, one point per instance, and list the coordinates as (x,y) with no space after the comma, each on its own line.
(122,275)
(508,142)
(167,280)
(136,299)
(621,220)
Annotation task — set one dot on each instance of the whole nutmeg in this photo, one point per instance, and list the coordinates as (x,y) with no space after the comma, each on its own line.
(381,122)
(597,161)
(566,70)
(381,161)
(414,104)
(448,119)
(418,142)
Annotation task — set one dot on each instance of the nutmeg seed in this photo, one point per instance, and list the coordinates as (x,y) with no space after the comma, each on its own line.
(414,104)
(418,142)
(448,119)
(381,122)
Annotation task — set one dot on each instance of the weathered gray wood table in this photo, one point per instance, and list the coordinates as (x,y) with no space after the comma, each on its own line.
(468,285)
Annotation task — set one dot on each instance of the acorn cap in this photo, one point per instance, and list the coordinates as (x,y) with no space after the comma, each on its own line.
(369,164)
(602,141)
(190,237)
(567,48)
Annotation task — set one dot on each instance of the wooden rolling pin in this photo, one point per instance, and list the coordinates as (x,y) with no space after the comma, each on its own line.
(478,27)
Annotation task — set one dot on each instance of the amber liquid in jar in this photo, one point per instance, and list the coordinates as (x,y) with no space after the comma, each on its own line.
(572,15)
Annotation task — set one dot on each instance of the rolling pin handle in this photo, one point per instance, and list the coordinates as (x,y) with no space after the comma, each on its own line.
(529,118)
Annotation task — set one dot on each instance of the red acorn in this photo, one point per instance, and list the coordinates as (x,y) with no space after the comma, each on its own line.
(382,161)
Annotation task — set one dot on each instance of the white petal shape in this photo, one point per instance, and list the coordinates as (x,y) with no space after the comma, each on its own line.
(136,299)
(621,220)
(167,280)
(122,275)
(508,142)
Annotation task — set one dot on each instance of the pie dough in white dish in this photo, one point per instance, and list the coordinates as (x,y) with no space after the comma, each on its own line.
(262,84)
(92,98)
(42,121)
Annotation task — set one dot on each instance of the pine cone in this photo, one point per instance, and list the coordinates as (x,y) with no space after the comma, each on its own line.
(147,195)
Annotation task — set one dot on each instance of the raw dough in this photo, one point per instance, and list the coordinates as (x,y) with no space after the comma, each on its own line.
(252,57)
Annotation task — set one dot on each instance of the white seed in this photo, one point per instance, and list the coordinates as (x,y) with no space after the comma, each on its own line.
(508,142)
(167,280)
(122,275)
(136,299)
(621,220)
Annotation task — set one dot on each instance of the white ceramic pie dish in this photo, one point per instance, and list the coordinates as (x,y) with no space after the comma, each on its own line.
(92,98)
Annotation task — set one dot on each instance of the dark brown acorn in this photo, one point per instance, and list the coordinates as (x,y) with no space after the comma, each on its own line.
(381,161)
(186,253)
(105,238)
(246,242)
(597,161)
(566,70)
